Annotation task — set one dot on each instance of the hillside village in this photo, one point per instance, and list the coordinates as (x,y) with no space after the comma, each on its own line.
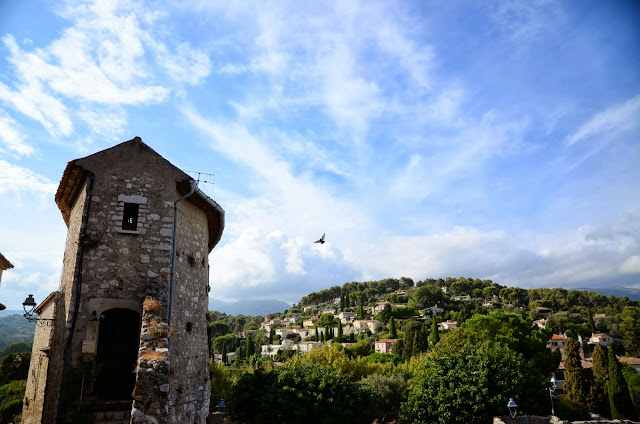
(389,317)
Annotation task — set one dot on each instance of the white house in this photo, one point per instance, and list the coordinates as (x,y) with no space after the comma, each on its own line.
(346,317)
(310,322)
(385,345)
(304,347)
(447,325)
(556,342)
(602,339)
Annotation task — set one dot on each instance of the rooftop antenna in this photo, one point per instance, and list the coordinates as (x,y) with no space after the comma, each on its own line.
(204,177)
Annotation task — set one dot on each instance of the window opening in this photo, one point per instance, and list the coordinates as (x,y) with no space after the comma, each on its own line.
(130,216)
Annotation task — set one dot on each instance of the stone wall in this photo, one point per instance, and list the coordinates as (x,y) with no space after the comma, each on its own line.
(189,353)
(45,384)
(117,268)
(151,394)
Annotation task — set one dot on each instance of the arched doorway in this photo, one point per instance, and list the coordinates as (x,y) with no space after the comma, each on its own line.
(118,342)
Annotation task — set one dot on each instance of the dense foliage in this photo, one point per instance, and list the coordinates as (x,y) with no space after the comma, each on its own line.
(297,393)
(471,384)
(11,395)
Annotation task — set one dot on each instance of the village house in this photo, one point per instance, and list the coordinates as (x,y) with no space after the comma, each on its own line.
(284,332)
(447,325)
(290,320)
(303,332)
(379,307)
(346,317)
(361,326)
(310,322)
(602,339)
(556,342)
(271,350)
(327,311)
(385,345)
(462,297)
(138,228)
(304,347)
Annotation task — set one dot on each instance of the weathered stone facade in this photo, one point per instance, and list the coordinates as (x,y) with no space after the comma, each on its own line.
(119,208)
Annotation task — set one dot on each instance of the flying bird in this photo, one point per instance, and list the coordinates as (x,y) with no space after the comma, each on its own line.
(321,241)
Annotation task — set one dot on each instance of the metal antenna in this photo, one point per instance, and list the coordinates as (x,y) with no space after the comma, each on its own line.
(204,178)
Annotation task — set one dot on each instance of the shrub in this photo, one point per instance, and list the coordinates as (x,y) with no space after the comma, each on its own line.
(11,396)
(151,305)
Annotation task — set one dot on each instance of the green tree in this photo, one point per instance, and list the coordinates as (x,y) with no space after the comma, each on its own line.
(435,333)
(8,370)
(219,328)
(327,320)
(619,397)
(251,349)
(416,339)
(224,354)
(428,296)
(470,384)
(299,393)
(599,397)
(630,328)
(360,311)
(393,332)
(340,333)
(573,374)
(390,391)
(11,396)
(385,314)
(317,335)
(220,382)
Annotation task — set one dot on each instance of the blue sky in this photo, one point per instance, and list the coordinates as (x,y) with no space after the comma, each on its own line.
(495,139)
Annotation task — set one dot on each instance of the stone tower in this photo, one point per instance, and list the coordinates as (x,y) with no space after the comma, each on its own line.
(138,228)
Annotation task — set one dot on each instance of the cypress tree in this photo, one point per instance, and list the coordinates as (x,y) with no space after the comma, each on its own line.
(271,334)
(592,325)
(317,335)
(619,398)
(250,347)
(361,311)
(573,372)
(599,391)
(224,353)
(392,328)
(340,329)
(435,333)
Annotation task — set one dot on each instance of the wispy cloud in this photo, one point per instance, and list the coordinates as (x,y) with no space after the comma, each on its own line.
(614,120)
(17,178)
(12,138)
(105,59)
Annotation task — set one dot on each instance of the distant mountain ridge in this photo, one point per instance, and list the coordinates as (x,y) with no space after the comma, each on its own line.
(632,293)
(251,307)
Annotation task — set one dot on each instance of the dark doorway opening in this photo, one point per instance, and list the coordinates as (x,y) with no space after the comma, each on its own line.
(118,342)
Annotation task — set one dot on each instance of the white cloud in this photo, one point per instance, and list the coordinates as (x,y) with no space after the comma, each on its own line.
(100,62)
(12,138)
(17,178)
(631,265)
(615,119)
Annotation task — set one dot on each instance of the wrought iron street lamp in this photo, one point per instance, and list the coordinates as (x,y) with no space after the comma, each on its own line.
(17,360)
(30,315)
(552,391)
(513,407)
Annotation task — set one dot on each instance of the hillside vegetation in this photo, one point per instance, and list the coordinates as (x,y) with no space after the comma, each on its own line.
(433,351)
